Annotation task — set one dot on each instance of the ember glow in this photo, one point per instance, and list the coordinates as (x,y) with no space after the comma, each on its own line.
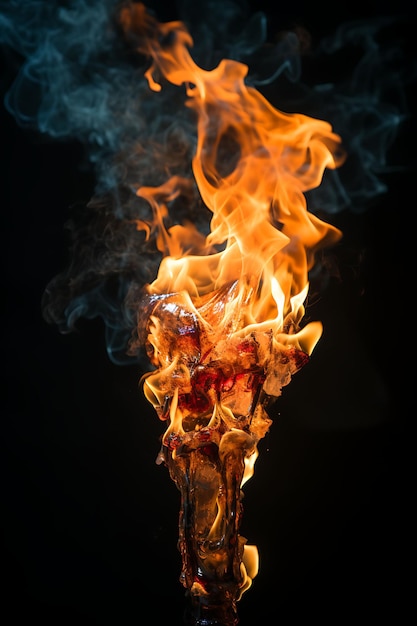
(222,321)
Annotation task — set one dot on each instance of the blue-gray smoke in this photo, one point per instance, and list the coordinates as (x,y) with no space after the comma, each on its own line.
(79,78)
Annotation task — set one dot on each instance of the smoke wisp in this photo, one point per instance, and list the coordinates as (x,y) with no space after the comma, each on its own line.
(81,78)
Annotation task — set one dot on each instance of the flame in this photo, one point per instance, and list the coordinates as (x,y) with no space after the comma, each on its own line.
(226,307)
(261,233)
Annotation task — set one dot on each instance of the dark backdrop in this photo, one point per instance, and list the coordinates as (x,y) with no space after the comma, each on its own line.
(91,520)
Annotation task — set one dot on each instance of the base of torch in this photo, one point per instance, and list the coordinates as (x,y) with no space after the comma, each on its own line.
(201,613)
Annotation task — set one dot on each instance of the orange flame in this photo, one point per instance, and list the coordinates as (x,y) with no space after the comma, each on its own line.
(232,301)
(261,231)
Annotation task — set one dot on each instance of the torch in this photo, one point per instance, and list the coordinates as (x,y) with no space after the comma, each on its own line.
(222,316)
(222,321)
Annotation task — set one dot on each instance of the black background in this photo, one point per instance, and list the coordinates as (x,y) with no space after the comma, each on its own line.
(91,520)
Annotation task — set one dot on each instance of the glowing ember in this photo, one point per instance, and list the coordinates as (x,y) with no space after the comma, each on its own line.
(222,320)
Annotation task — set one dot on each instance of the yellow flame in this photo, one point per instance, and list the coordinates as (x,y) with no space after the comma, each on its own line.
(249,567)
(261,231)
(241,289)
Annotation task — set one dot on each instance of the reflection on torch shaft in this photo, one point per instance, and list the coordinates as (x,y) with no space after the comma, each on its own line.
(209,540)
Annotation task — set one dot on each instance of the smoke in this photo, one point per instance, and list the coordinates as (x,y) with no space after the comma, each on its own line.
(80,78)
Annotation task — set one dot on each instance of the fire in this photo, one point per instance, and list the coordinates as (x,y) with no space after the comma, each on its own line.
(261,233)
(222,321)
